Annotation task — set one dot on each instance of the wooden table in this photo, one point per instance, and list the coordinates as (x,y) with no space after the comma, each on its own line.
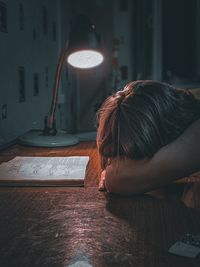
(61,226)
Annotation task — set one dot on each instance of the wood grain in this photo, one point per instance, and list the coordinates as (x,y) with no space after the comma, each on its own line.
(61,226)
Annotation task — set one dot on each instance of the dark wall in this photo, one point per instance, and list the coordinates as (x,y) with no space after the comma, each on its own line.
(156,39)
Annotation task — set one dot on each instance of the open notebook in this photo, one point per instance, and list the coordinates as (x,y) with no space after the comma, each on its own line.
(44,171)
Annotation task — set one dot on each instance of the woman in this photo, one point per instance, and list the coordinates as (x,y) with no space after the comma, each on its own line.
(148,136)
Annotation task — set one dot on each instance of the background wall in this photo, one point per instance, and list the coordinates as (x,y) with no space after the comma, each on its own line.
(28,55)
(135,36)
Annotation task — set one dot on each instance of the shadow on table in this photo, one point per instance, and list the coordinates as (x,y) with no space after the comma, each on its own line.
(151,223)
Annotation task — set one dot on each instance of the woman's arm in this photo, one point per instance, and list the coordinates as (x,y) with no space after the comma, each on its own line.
(176,160)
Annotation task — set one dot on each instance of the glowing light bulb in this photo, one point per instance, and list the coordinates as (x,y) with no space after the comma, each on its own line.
(85,59)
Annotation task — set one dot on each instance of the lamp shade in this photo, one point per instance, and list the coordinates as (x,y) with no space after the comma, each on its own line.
(84,44)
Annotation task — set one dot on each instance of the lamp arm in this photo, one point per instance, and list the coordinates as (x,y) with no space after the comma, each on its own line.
(51,116)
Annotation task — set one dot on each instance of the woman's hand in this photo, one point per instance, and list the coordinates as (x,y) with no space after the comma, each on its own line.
(102,186)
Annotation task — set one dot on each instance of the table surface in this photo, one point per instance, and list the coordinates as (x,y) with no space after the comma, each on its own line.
(66,226)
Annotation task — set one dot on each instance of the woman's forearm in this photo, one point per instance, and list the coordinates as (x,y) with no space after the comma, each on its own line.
(176,160)
(126,176)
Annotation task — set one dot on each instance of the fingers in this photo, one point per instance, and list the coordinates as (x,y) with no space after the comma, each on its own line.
(102,182)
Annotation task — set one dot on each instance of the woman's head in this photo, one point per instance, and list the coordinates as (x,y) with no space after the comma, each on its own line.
(145,116)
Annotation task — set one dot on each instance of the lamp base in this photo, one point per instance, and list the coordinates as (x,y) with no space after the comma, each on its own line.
(38,139)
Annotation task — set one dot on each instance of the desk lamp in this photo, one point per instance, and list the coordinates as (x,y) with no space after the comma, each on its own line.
(82,51)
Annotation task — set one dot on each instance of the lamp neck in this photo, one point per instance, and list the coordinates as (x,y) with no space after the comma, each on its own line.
(50,121)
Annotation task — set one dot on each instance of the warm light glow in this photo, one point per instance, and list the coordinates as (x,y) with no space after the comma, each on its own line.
(85,59)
